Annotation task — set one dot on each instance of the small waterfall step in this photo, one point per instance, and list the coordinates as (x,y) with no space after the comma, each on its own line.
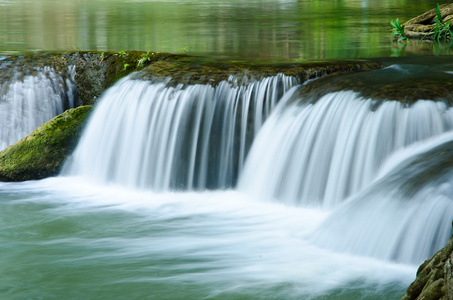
(154,135)
(30,96)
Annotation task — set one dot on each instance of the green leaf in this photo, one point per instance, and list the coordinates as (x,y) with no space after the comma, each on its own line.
(439,16)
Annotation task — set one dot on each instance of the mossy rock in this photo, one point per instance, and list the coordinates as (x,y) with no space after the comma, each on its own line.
(199,70)
(423,82)
(42,153)
(97,71)
(434,278)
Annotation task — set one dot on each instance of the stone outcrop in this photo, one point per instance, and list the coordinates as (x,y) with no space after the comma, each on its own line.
(42,153)
(97,71)
(428,82)
(199,70)
(420,27)
(434,277)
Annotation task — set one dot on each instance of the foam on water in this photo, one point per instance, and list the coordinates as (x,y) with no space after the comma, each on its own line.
(225,242)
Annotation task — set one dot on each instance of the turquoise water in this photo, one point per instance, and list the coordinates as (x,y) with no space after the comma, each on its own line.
(66,239)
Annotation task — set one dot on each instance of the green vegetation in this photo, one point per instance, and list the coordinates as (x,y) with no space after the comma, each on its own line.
(441,27)
(42,153)
(145,57)
(122,54)
(183,49)
(399,30)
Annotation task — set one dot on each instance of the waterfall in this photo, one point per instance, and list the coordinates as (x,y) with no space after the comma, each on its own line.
(320,153)
(405,216)
(357,158)
(152,135)
(27,101)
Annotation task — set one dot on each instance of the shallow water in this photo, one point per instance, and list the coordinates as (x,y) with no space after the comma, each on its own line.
(284,29)
(65,238)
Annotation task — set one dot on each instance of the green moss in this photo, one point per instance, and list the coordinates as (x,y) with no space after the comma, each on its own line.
(192,70)
(42,152)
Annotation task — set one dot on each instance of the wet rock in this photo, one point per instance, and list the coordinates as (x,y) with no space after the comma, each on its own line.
(404,82)
(199,70)
(434,277)
(97,71)
(41,153)
(94,71)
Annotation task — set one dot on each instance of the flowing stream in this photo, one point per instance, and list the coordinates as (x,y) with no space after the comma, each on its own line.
(242,190)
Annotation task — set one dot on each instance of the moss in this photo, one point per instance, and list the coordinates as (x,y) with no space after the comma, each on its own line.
(432,279)
(192,70)
(42,152)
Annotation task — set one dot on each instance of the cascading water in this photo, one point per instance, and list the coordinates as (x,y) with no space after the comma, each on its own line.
(405,216)
(151,135)
(29,100)
(320,153)
(369,184)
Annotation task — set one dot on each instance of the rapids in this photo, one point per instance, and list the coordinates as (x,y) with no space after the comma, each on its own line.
(239,190)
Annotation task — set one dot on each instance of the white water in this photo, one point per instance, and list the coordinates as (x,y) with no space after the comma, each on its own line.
(28,102)
(307,154)
(211,244)
(319,154)
(156,138)
(405,216)
(149,135)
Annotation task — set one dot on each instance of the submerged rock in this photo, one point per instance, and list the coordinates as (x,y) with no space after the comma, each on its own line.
(41,153)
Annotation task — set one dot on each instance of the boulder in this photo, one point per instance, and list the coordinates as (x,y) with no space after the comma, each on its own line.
(434,278)
(42,153)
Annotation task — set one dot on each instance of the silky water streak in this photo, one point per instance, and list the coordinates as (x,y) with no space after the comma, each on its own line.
(156,136)
(27,101)
(318,154)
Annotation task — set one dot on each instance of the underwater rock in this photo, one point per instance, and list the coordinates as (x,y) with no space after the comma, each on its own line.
(41,153)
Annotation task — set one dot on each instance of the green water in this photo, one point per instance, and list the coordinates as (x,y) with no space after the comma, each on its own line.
(298,30)
(65,239)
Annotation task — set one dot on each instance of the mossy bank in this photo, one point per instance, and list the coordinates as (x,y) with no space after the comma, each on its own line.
(42,153)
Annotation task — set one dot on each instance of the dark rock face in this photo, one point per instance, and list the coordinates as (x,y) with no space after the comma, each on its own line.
(403,82)
(96,71)
(42,153)
(434,277)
